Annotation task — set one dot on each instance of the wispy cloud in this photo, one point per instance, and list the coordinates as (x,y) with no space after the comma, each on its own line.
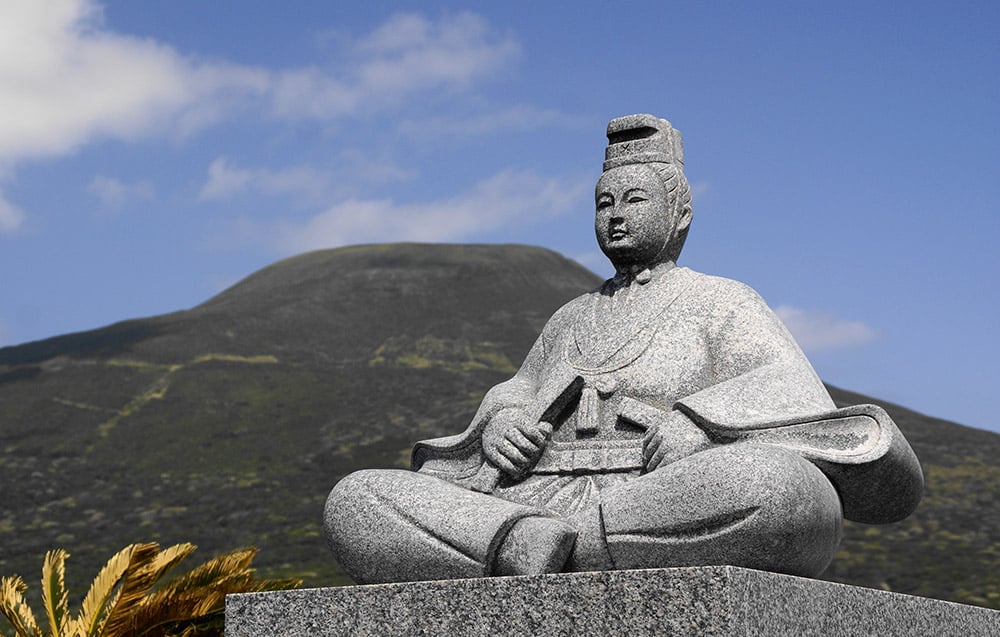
(406,55)
(504,200)
(819,331)
(11,217)
(367,169)
(114,193)
(226,180)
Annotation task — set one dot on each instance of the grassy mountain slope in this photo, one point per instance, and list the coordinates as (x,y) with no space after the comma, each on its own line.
(950,547)
(228,423)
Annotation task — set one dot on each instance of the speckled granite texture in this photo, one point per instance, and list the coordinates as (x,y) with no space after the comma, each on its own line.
(665,419)
(716,600)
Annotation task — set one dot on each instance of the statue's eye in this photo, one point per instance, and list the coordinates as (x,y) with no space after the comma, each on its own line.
(636,195)
(605,202)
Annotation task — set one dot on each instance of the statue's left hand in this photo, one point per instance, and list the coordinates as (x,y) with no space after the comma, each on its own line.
(671,439)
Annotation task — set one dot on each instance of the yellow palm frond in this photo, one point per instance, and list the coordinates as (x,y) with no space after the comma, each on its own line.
(136,582)
(54,596)
(104,593)
(15,609)
(217,568)
(198,598)
(170,557)
(165,614)
(139,581)
(122,601)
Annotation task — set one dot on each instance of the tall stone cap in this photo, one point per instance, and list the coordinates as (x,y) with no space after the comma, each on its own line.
(642,138)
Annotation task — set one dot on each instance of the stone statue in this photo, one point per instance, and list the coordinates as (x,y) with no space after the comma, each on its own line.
(667,418)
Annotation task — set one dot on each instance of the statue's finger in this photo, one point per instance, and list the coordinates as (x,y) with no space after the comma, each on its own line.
(653,436)
(657,458)
(651,445)
(505,465)
(524,444)
(534,433)
(492,452)
(647,453)
(512,453)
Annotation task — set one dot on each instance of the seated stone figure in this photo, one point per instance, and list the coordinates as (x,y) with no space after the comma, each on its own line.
(665,419)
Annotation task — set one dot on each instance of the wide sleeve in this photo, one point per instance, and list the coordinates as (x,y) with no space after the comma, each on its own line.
(768,393)
(760,374)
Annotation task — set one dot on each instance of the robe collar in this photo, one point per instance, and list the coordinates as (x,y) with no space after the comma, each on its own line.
(641,274)
(619,320)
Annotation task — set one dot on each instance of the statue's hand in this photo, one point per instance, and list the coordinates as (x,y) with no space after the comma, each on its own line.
(670,440)
(512,443)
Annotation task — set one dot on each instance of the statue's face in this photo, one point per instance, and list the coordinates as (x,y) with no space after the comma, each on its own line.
(633,221)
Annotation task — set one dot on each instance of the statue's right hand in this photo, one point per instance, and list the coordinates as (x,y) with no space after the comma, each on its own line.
(512,443)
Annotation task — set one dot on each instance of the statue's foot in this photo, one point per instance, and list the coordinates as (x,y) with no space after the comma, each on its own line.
(535,545)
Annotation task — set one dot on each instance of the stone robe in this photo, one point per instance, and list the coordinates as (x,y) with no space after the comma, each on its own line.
(758,472)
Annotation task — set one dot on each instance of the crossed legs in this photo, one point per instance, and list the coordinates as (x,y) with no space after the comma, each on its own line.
(746,505)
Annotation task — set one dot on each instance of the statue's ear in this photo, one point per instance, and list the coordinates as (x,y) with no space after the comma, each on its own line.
(684,219)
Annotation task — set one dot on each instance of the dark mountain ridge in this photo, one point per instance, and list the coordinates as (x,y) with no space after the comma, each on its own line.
(228,423)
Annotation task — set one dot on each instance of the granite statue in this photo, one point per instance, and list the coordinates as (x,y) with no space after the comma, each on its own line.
(667,418)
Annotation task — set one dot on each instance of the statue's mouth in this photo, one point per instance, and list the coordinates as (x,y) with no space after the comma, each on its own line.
(617,233)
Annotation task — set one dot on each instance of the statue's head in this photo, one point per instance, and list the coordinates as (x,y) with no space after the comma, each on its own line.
(643,199)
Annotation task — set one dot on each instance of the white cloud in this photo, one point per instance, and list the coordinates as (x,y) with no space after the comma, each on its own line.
(65,80)
(366,169)
(408,54)
(11,217)
(503,200)
(114,193)
(226,180)
(819,331)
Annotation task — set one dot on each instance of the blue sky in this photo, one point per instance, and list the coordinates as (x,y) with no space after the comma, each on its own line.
(844,156)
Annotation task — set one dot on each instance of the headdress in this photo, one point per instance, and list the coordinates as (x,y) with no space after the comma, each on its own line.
(639,139)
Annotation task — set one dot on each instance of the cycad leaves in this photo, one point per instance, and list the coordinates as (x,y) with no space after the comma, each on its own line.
(143,573)
(197,598)
(105,595)
(121,601)
(15,609)
(54,596)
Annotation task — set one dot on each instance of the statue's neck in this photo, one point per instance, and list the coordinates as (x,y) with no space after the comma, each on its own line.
(641,273)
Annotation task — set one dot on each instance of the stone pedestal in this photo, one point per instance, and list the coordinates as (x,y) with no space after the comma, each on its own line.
(717,600)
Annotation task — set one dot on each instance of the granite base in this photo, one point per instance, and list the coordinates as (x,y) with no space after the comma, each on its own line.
(716,600)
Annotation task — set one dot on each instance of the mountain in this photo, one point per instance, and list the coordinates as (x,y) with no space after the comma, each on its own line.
(228,423)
